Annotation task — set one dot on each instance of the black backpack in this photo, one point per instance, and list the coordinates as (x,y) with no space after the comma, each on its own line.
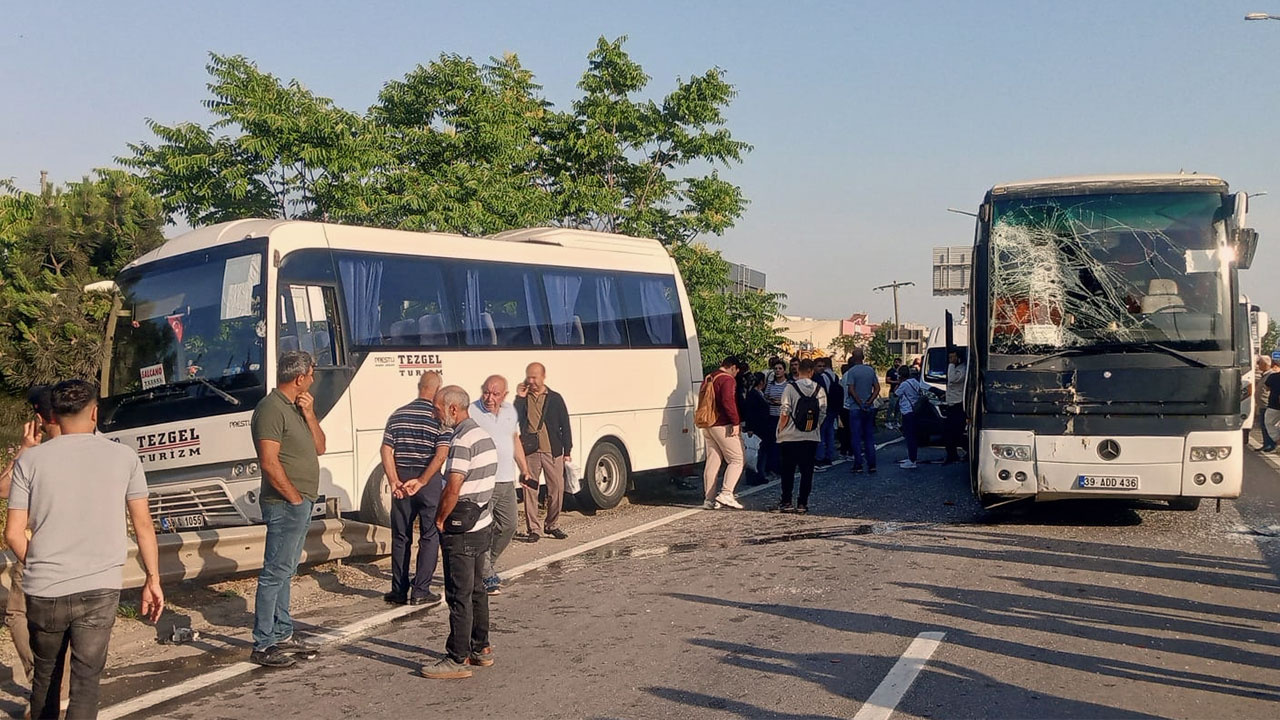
(805,414)
(835,394)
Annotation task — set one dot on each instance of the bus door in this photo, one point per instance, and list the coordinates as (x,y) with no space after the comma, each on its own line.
(309,322)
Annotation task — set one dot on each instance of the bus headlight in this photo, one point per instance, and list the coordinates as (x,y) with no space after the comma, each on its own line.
(238,470)
(1216,478)
(253,468)
(1012,452)
(1199,479)
(1210,453)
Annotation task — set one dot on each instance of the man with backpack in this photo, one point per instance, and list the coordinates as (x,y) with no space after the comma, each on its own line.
(804,407)
(830,384)
(717,415)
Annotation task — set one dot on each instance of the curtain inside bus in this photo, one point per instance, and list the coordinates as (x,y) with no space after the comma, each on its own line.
(657,307)
(607,310)
(362,285)
(562,298)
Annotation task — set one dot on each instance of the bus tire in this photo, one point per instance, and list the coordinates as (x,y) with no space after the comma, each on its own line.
(1184,503)
(375,505)
(605,476)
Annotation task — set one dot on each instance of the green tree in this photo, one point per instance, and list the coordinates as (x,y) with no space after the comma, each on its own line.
(728,323)
(55,243)
(292,154)
(878,355)
(613,159)
(1271,341)
(843,345)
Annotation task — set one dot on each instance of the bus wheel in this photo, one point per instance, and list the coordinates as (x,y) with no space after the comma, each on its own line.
(604,477)
(375,506)
(1184,503)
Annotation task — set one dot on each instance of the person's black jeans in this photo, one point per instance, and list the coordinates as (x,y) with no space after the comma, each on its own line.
(421,505)
(464,591)
(81,624)
(797,455)
(952,430)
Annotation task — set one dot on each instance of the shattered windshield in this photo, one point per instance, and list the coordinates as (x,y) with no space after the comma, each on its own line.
(1110,269)
(188,338)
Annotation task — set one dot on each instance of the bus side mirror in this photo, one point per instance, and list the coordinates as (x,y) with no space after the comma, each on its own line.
(1245,242)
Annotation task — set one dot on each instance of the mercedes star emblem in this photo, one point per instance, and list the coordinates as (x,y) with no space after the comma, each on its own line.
(1109,450)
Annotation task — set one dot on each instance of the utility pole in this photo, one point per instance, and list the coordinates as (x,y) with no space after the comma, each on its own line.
(894,285)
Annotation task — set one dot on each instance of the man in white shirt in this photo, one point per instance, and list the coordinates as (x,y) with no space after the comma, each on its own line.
(953,428)
(499,418)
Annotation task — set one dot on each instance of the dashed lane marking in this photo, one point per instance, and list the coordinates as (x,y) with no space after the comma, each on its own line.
(889,693)
(355,630)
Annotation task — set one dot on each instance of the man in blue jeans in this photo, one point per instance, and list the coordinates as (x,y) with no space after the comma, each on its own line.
(863,388)
(290,442)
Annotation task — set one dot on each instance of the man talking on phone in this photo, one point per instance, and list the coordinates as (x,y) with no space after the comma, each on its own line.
(290,442)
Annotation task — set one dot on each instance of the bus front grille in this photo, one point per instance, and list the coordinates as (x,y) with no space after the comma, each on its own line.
(211,501)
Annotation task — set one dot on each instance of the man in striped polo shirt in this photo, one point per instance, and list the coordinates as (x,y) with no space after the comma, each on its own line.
(465,519)
(414,449)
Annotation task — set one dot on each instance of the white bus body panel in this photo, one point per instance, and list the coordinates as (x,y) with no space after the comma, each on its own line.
(1162,465)
(645,397)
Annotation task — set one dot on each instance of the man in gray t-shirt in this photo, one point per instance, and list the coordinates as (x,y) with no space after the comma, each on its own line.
(862,388)
(70,492)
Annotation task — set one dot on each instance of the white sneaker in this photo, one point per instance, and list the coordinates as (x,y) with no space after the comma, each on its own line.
(728,501)
(908,465)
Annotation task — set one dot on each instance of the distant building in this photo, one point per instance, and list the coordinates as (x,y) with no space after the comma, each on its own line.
(814,335)
(743,278)
(909,341)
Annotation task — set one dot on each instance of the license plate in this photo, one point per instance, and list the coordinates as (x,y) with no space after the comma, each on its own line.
(181,522)
(1107,482)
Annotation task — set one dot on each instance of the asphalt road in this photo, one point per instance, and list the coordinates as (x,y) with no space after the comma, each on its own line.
(1070,610)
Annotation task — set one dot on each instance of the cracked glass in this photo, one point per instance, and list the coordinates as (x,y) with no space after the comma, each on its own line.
(1110,269)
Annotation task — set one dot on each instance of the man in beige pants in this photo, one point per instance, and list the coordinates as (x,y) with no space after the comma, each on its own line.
(547,442)
(724,442)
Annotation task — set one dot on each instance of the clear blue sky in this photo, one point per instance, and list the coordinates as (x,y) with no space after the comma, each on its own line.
(868,119)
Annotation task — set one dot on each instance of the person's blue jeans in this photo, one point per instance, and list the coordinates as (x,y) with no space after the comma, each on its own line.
(909,433)
(1268,442)
(827,444)
(862,432)
(286,533)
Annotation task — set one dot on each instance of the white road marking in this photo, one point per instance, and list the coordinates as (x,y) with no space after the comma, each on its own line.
(350,632)
(889,693)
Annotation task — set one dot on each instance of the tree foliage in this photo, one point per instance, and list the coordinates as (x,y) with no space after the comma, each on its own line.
(843,345)
(1271,341)
(473,148)
(878,354)
(52,244)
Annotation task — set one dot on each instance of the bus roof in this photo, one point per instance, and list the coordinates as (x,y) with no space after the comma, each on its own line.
(1083,184)
(338,238)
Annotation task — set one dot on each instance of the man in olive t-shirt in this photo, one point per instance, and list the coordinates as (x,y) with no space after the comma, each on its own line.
(289,441)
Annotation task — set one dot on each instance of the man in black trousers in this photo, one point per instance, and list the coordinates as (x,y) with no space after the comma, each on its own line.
(414,449)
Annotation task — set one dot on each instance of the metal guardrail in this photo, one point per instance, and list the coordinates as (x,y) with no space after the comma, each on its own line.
(214,554)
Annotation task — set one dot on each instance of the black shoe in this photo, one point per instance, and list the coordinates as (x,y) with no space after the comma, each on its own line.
(856,469)
(298,648)
(802,509)
(531,538)
(272,657)
(394,599)
(871,471)
(429,599)
(783,508)
(558,534)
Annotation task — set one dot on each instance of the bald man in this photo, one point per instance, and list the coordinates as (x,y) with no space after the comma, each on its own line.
(414,449)
(547,442)
(499,418)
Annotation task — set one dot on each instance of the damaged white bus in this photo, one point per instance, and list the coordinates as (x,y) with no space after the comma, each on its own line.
(1105,331)
(199,322)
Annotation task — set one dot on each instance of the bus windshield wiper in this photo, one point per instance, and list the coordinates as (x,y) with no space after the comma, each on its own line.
(149,394)
(217,390)
(1118,348)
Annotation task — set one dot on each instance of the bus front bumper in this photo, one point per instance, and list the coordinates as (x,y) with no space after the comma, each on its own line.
(1016,463)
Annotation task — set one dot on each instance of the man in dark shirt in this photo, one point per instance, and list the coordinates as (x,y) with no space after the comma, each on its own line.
(290,442)
(1272,416)
(414,448)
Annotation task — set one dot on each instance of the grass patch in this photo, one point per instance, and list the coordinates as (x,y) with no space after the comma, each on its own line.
(128,612)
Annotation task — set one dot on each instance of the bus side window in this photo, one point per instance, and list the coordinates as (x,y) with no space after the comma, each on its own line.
(501,305)
(652,311)
(585,309)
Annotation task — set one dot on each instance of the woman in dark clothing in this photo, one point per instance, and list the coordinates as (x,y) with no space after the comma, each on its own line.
(759,422)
